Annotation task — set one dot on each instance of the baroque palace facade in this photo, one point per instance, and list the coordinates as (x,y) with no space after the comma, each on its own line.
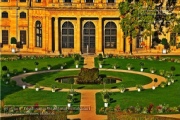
(64,26)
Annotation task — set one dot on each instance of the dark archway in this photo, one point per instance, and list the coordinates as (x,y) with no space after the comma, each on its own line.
(88,41)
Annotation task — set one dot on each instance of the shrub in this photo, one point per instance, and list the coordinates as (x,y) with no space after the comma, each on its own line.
(13,83)
(88,76)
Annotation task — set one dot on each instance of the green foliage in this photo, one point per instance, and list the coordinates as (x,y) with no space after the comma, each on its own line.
(139,86)
(155,79)
(173,68)
(164,41)
(88,76)
(4,68)
(36,63)
(53,86)
(13,40)
(69,98)
(13,83)
(76,62)
(37,86)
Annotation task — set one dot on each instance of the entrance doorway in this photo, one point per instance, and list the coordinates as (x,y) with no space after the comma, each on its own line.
(88,39)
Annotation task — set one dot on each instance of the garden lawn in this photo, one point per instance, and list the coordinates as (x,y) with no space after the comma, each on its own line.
(168,95)
(32,97)
(43,62)
(6,89)
(159,65)
(48,79)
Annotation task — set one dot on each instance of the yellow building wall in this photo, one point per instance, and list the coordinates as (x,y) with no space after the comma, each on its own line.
(100,13)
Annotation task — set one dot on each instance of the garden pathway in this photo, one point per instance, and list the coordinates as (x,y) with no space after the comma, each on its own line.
(88,96)
(88,61)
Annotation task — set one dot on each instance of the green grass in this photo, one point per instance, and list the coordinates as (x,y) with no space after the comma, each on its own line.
(159,65)
(29,64)
(168,95)
(31,97)
(7,90)
(47,79)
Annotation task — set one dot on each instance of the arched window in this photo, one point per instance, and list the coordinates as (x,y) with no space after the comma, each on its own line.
(88,44)
(4,14)
(22,15)
(67,35)
(110,35)
(110,1)
(38,30)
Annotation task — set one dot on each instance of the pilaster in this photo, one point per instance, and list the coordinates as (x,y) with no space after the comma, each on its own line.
(49,35)
(99,41)
(77,40)
(56,35)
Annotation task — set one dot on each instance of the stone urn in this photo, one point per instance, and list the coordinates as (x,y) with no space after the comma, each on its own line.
(24,86)
(105,104)
(36,69)
(37,89)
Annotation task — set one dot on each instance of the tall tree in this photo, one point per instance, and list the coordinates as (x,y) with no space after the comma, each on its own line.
(138,17)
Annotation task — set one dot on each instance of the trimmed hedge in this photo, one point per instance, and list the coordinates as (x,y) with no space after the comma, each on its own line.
(88,76)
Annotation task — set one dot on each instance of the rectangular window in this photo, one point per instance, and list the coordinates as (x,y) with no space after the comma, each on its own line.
(23,36)
(22,0)
(89,2)
(5,36)
(4,0)
(38,1)
(67,3)
(173,39)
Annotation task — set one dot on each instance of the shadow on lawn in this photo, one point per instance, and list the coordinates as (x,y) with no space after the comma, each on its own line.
(8,89)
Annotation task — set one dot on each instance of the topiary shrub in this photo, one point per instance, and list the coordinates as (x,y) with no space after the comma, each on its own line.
(88,76)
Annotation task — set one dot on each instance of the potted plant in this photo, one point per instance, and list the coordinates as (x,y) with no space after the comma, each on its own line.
(152,70)
(5,69)
(122,88)
(100,64)
(161,72)
(106,99)
(172,79)
(8,73)
(53,88)
(36,63)
(129,66)
(23,79)
(48,66)
(7,80)
(15,71)
(168,81)
(24,70)
(168,74)
(163,84)
(139,87)
(155,81)
(63,65)
(37,87)
(69,99)
(173,69)
(142,66)
(77,63)
(71,92)
(13,41)
(114,65)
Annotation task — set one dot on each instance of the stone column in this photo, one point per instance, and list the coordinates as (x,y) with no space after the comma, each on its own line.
(56,35)
(49,35)
(77,39)
(99,41)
